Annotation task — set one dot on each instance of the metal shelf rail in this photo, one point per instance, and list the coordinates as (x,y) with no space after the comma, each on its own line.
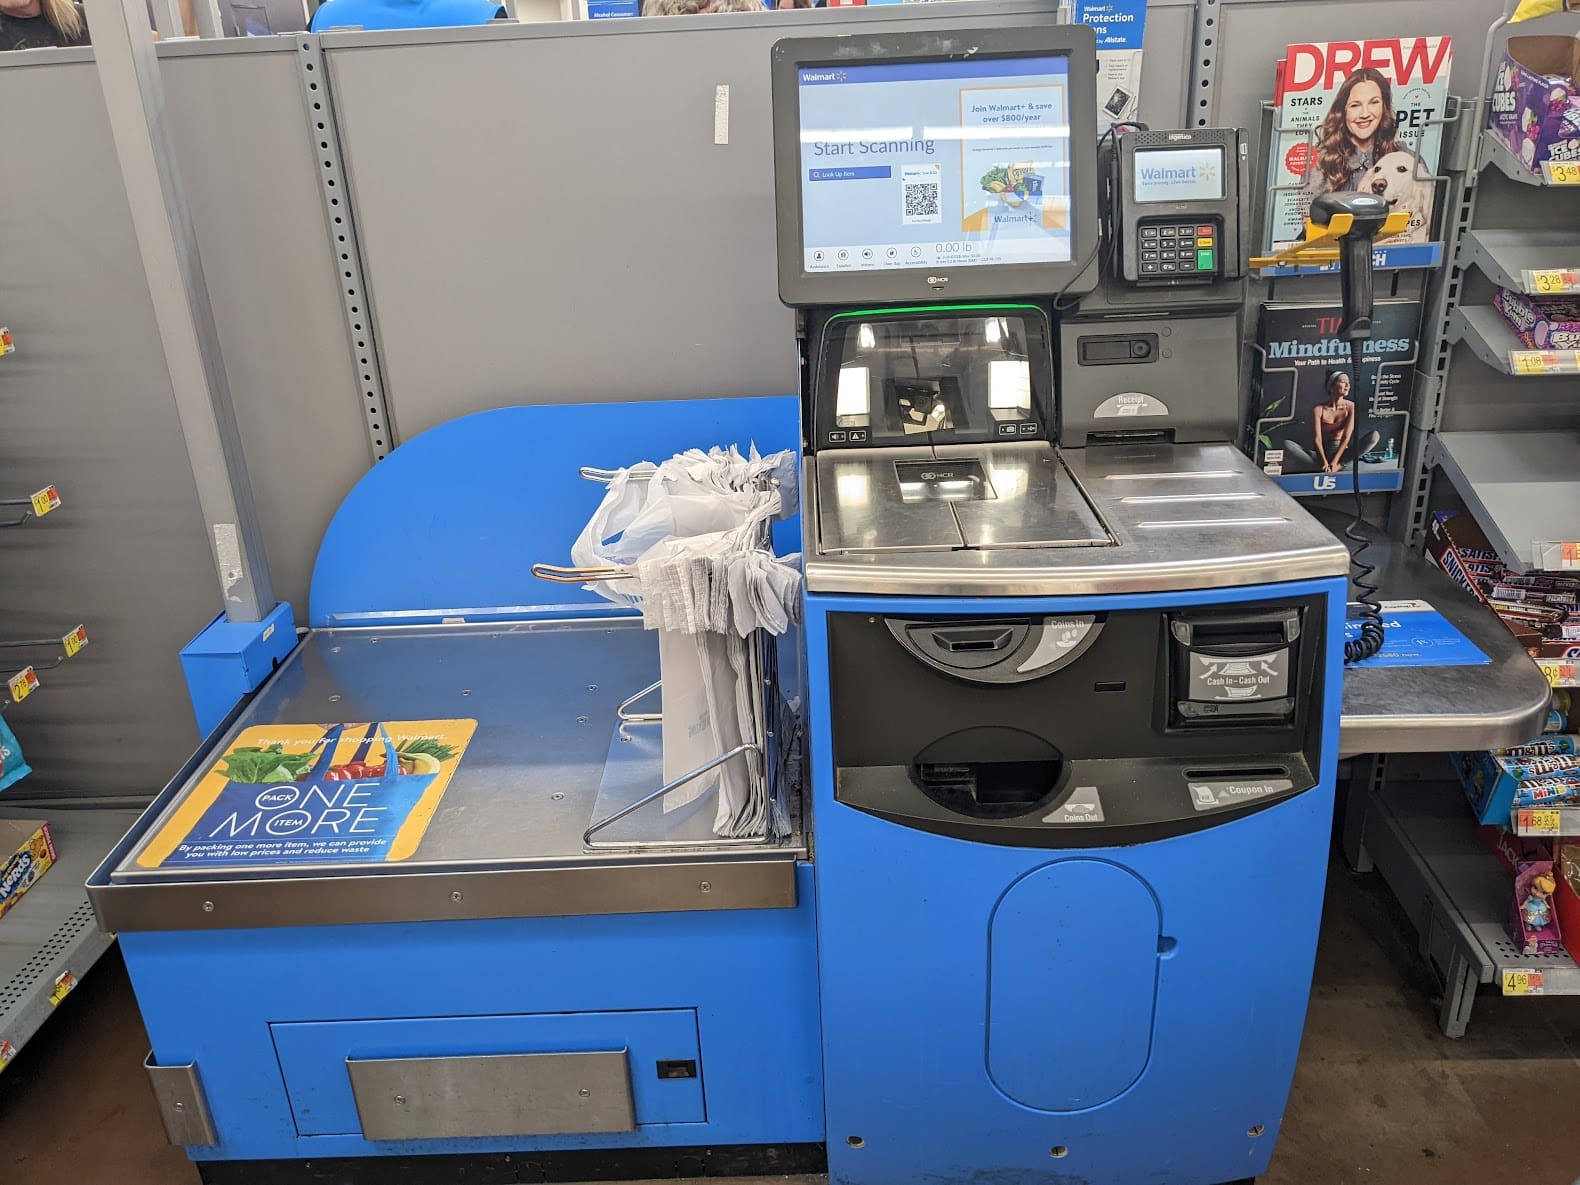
(1523,488)
(1511,258)
(50,939)
(1424,842)
(1483,329)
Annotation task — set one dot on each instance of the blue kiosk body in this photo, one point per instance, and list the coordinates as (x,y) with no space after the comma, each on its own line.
(1068,709)
(265,987)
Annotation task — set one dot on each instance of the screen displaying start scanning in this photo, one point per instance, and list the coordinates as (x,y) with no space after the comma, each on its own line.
(926,164)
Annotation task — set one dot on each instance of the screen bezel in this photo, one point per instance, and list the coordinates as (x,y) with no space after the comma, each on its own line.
(798,287)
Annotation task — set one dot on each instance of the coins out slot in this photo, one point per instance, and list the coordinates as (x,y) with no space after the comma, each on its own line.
(988,773)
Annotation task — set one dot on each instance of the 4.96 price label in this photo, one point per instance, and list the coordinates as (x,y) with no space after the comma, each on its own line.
(1522,983)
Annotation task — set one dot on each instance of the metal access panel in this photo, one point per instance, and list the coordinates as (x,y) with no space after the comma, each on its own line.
(513,1094)
(477,1076)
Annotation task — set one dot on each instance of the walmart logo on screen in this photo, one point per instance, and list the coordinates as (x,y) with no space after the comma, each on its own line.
(1206,174)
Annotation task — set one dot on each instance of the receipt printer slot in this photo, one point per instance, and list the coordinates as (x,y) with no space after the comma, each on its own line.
(1233,668)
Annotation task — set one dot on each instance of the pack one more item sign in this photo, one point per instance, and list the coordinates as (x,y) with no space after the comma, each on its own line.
(291,794)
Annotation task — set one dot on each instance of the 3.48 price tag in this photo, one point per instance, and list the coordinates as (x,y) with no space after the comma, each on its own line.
(1561,172)
(22,684)
(1522,983)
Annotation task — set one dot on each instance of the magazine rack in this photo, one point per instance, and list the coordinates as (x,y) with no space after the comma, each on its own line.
(1391,258)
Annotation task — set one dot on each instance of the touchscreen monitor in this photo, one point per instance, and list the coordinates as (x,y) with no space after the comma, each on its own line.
(966,171)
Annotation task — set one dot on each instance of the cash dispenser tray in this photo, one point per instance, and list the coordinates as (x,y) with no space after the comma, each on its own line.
(953,498)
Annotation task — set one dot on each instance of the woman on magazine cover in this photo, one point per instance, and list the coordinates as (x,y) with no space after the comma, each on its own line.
(1332,428)
(1358,131)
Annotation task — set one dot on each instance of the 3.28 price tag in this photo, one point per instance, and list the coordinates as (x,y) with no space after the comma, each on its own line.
(1561,172)
(45,500)
(75,641)
(22,684)
(1522,983)
(1552,281)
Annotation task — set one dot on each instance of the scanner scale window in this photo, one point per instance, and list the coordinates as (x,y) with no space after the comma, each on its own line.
(948,377)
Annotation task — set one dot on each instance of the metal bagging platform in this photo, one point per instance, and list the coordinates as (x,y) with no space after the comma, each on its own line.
(508,837)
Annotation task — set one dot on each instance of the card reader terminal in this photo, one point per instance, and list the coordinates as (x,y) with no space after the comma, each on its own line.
(1176,205)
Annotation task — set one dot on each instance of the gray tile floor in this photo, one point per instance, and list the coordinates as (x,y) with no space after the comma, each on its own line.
(1380,1096)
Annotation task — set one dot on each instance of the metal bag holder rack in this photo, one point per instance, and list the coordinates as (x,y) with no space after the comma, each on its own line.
(766,768)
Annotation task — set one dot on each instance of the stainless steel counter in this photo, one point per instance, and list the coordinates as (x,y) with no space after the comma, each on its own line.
(1438,709)
(1142,519)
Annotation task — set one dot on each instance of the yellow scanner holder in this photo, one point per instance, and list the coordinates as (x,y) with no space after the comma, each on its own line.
(1321,242)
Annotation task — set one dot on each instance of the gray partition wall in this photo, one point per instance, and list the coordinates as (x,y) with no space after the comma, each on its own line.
(531,240)
(86,401)
(246,150)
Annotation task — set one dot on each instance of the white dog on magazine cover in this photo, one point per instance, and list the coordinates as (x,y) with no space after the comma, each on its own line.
(1400,178)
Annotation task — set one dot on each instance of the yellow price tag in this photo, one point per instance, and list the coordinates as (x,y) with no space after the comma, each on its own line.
(1540,821)
(1522,983)
(1561,172)
(1552,281)
(75,641)
(64,982)
(22,684)
(45,500)
(1560,674)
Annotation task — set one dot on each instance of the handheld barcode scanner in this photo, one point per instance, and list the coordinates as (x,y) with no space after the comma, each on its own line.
(1367,216)
(1355,220)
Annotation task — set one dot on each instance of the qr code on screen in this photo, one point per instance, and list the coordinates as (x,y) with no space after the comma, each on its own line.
(920,188)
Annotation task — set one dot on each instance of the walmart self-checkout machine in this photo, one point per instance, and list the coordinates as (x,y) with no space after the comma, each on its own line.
(1049,907)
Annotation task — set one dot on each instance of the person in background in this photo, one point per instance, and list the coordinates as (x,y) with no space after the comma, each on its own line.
(40,24)
(402,14)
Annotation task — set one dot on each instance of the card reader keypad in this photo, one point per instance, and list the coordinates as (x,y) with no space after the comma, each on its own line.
(1171,248)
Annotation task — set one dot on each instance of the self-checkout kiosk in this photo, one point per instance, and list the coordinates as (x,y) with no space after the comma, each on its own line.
(1074,663)
(1046,909)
